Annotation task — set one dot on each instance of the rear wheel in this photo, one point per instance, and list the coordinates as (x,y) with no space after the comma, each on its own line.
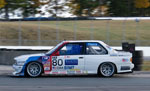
(107,69)
(34,69)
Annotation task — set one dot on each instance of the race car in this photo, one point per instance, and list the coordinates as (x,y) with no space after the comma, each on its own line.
(75,58)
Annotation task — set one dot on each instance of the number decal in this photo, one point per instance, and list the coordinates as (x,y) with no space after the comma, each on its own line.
(56,62)
(60,62)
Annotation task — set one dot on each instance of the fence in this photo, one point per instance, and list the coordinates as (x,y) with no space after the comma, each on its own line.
(113,31)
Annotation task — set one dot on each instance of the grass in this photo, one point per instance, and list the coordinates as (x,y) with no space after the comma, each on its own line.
(99,28)
(146,66)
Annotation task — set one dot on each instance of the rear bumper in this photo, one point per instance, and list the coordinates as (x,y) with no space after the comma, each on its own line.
(128,68)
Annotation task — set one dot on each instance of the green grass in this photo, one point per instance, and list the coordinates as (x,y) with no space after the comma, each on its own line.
(146,66)
(9,30)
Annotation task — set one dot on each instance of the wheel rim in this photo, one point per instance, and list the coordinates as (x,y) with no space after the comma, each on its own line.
(107,69)
(34,69)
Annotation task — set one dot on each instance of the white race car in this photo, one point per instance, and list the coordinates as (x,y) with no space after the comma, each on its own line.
(75,57)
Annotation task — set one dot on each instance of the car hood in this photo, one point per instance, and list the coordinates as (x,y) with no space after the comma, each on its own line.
(25,57)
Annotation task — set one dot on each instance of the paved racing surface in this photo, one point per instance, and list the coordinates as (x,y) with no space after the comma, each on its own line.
(137,81)
(75,83)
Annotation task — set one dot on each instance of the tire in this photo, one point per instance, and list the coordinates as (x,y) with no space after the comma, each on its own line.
(34,69)
(106,69)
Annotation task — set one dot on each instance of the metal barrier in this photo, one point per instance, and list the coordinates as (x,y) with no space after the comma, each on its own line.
(111,30)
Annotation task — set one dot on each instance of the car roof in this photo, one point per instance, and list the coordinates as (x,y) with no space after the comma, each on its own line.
(73,41)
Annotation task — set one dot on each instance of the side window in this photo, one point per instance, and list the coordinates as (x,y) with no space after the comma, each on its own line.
(71,49)
(95,49)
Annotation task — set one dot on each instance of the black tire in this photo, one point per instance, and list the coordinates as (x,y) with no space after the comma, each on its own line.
(106,69)
(34,69)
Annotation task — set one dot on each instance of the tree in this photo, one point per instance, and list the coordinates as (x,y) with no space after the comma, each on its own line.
(128,7)
(142,3)
(142,7)
(83,7)
(56,7)
(2,3)
(9,6)
(121,7)
(28,7)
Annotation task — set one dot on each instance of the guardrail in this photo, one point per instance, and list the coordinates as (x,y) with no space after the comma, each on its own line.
(7,53)
(145,49)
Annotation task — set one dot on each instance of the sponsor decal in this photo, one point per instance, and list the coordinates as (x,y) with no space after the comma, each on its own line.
(43,62)
(46,72)
(74,69)
(58,67)
(46,64)
(68,67)
(54,72)
(54,57)
(46,68)
(125,60)
(92,44)
(71,62)
(45,58)
(113,55)
(78,72)
(66,57)
(63,72)
(71,68)
(70,72)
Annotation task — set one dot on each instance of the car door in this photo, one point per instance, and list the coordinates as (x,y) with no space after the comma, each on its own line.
(95,54)
(70,59)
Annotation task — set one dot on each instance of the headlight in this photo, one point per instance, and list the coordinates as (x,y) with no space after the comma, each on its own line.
(20,63)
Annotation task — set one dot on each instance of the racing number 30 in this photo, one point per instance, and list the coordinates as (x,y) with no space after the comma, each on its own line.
(56,62)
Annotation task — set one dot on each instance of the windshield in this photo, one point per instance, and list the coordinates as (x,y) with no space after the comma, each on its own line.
(54,48)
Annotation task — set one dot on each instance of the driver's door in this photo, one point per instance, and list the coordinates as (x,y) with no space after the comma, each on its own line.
(70,59)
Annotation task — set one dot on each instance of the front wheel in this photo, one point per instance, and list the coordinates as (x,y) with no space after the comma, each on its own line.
(34,69)
(107,69)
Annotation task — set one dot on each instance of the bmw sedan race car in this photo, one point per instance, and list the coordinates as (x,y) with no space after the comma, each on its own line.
(75,57)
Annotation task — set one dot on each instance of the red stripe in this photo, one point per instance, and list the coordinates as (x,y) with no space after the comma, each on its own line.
(50,63)
(53,54)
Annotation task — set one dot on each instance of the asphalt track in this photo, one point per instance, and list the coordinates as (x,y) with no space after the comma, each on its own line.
(136,81)
(75,83)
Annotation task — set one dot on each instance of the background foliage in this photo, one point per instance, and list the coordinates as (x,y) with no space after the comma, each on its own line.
(77,7)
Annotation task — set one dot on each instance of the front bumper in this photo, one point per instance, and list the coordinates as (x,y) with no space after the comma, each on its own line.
(18,70)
